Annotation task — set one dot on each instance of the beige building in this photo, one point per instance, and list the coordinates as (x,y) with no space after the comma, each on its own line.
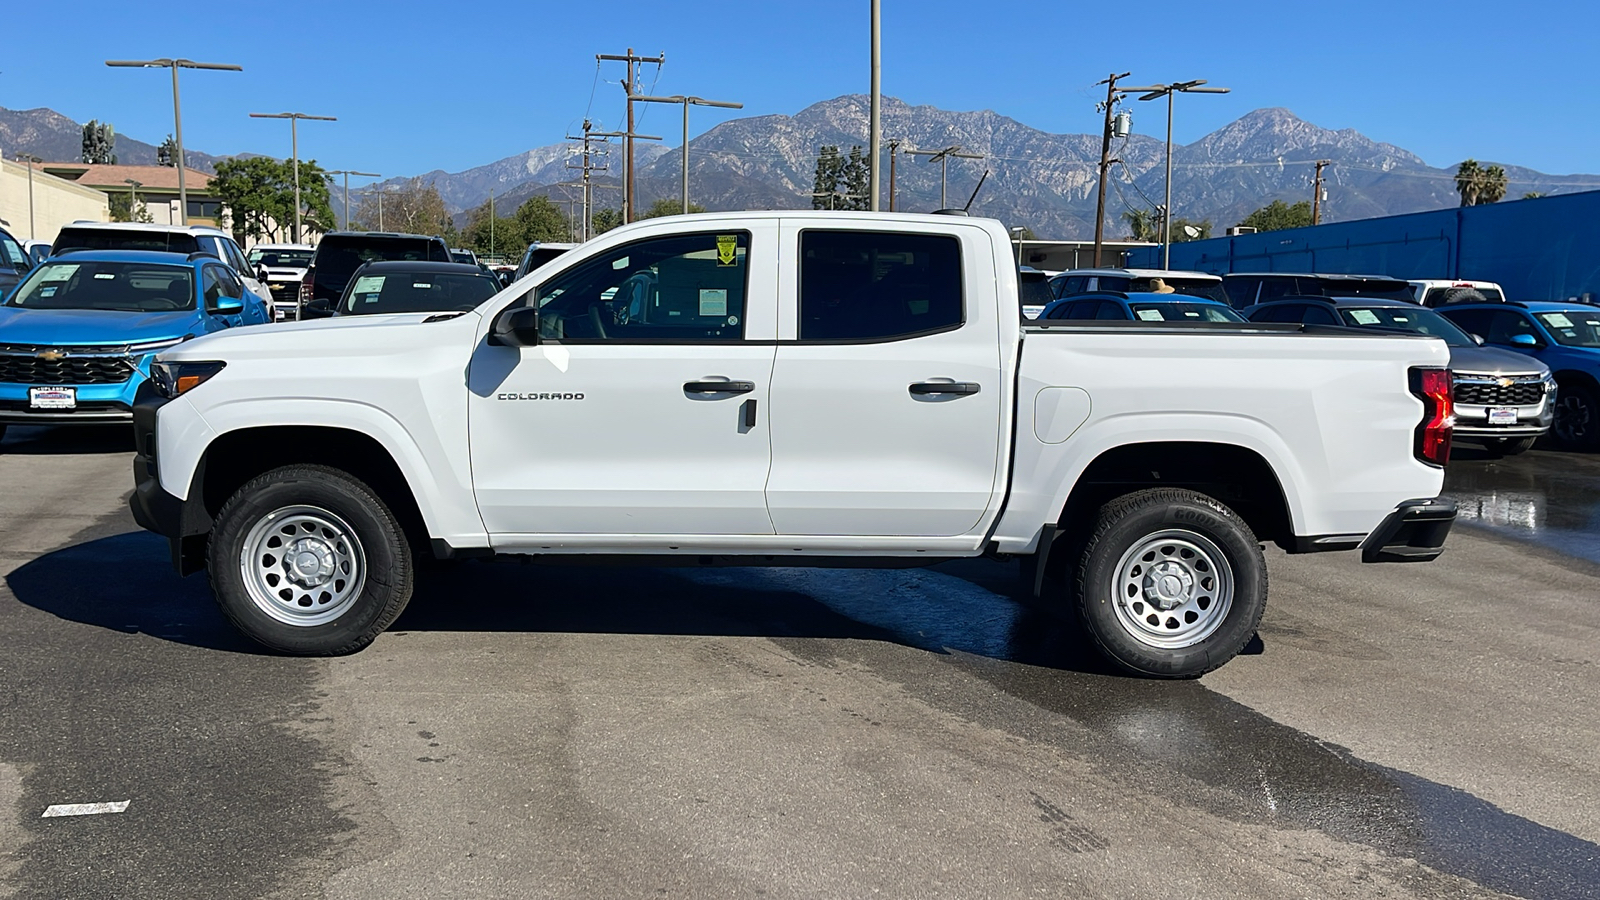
(155,186)
(56,202)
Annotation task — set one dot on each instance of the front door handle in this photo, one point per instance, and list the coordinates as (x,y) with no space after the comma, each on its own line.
(719,387)
(944,387)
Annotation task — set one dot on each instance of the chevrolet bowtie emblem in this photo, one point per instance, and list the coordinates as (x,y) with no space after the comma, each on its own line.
(52,355)
(1506,382)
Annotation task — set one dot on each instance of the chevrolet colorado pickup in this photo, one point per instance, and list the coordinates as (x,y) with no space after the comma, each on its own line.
(791,388)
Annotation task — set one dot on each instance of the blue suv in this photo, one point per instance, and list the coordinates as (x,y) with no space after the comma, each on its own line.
(78,333)
(1170,307)
(1565,337)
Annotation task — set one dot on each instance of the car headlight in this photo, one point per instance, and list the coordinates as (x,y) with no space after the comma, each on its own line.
(156,346)
(173,379)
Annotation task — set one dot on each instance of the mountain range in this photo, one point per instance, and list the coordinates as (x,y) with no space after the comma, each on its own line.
(1042,180)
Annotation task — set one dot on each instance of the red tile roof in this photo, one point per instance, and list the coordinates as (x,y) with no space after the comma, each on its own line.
(156,178)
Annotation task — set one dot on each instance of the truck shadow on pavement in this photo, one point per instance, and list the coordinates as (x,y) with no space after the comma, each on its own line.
(32,440)
(125,583)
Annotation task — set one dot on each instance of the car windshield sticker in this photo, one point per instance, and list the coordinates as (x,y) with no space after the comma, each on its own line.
(1364,316)
(369,284)
(422,285)
(727,249)
(714,302)
(105,276)
(1557,320)
(1150,315)
(57,272)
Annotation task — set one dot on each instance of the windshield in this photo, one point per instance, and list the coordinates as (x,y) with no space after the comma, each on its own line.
(1407,318)
(541,255)
(1209,288)
(11,253)
(1184,312)
(462,256)
(123,239)
(1441,295)
(131,287)
(288,259)
(1573,327)
(416,292)
(339,258)
(1034,288)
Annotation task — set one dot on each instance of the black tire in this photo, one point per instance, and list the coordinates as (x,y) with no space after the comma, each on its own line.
(1149,640)
(1462,295)
(1577,423)
(381,584)
(1511,446)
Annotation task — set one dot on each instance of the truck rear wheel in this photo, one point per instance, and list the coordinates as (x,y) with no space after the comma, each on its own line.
(309,561)
(1172,583)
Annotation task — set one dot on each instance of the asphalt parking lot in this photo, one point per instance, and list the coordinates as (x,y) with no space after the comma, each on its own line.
(523,731)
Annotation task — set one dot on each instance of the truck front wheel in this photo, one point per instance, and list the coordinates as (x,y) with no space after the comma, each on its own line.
(1172,583)
(307,560)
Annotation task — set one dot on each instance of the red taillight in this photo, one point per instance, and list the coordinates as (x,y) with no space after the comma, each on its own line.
(1432,387)
(306,282)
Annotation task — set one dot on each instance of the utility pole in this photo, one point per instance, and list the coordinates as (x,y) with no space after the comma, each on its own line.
(347,173)
(630,87)
(874,125)
(893,146)
(1105,156)
(491,221)
(942,157)
(587,136)
(1316,192)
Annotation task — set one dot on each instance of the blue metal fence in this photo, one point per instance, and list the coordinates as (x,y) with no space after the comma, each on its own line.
(1547,248)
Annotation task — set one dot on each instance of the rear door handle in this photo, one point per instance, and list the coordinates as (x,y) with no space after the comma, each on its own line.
(719,387)
(945,387)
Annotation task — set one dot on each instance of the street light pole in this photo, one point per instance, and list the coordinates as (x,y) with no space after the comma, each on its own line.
(686,101)
(133,198)
(1168,90)
(347,173)
(177,110)
(294,151)
(30,159)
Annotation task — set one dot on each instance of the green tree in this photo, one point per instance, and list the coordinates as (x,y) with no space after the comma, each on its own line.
(856,181)
(669,207)
(604,220)
(829,174)
(1277,215)
(167,153)
(259,194)
(413,208)
(1143,224)
(1533,195)
(1479,184)
(99,143)
(123,209)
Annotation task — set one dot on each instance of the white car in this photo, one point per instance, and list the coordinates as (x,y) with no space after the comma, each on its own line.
(1441,292)
(169,238)
(790,388)
(282,267)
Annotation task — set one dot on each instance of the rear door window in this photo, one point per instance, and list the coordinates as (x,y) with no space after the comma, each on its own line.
(125,239)
(878,285)
(1071,285)
(1241,291)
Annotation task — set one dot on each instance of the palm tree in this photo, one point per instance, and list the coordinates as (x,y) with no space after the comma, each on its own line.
(1467,181)
(1145,224)
(1493,185)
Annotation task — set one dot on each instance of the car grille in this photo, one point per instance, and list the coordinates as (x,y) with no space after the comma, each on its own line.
(1523,390)
(284,290)
(23,365)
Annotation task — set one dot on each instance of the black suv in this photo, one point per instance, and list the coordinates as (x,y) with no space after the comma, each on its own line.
(340,253)
(1250,289)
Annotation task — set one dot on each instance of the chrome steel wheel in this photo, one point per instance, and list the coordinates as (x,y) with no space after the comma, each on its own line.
(1173,589)
(303,565)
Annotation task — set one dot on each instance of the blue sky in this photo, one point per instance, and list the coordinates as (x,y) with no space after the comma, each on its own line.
(419,86)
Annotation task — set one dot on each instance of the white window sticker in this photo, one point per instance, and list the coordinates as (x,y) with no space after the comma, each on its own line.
(1364,316)
(620,264)
(713,302)
(57,272)
(1557,320)
(105,276)
(369,284)
(422,285)
(1150,315)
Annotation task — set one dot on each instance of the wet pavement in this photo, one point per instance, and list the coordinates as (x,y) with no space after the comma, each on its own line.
(1396,731)
(1549,498)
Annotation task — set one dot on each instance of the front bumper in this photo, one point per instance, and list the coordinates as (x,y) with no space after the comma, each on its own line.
(1414,532)
(98,404)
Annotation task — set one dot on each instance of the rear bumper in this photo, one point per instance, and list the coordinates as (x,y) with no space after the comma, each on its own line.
(1414,532)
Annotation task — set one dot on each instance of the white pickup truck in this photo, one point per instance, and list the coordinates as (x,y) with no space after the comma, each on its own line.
(791,389)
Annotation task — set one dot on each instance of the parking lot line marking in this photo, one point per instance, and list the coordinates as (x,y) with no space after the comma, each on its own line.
(85,809)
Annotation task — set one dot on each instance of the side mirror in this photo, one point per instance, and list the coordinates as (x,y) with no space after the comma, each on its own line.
(1477,339)
(261,274)
(518,327)
(1524,340)
(228,306)
(320,308)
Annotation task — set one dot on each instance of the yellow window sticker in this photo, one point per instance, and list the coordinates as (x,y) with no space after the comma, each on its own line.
(727,249)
